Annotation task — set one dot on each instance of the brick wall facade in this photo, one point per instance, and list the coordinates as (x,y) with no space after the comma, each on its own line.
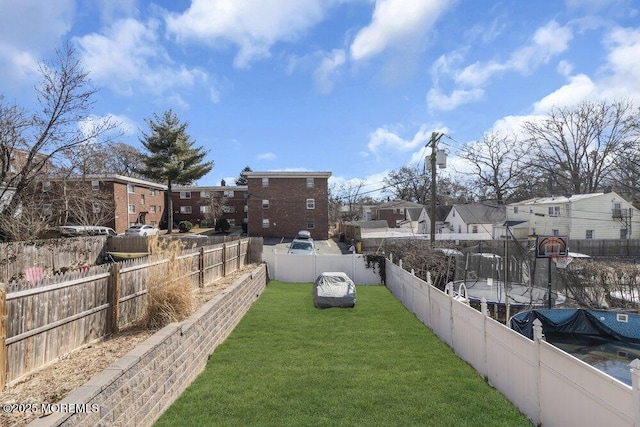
(287,203)
(233,199)
(140,386)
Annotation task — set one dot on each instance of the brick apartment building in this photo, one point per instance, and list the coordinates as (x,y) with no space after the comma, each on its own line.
(282,203)
(195,204)
(132,200)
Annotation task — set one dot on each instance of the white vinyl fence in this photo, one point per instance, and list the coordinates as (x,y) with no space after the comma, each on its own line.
(306,268)
(549,386)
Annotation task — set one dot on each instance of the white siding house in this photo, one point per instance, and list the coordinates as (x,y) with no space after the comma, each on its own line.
(474,218)
(581,216)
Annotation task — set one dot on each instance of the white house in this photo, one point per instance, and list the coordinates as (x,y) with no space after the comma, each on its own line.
(474,218)
(581,216)
(424,220)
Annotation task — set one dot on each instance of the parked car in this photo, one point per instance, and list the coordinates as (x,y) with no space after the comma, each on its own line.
(85,230)
(141,230)
(300,246)
(304,235)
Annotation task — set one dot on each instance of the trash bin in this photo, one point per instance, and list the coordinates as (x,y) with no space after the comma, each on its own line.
(342,237)
(359,247)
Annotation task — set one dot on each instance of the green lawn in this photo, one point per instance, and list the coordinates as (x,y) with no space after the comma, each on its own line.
(290,364)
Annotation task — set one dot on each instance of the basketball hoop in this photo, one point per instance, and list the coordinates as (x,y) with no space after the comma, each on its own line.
(562,261)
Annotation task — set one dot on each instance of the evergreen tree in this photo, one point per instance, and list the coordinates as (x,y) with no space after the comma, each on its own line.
(242,179)
(172,157)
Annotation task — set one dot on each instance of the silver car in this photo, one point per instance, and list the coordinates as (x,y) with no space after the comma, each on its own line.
(304,247)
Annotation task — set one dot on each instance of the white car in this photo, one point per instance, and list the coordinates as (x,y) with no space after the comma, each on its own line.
(141,230)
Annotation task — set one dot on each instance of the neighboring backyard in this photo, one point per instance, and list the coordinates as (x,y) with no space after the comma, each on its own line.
(288,363)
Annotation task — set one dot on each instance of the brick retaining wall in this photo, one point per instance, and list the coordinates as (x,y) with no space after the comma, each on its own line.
(140,386)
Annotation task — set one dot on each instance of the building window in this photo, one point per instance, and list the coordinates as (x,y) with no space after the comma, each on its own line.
(530,209)
(46,186)
(185,194)
(589,234)
(205,194)
(474,229)
(265,223)
(311,203)
(533,231)
(246,208)
(232,222)
(228,193)
(623,233)
(555,232)
(96,208)
(152,192)
(554,210)
(185,209)
(311,223)
(205,209)
(152,209)
(515,209)
(228,209)
(12,169)
(46,209)
(142,200)
(265,204)
(459,229)
(131,188)
(95,185)
(132,208)
(265,182)
(309,182)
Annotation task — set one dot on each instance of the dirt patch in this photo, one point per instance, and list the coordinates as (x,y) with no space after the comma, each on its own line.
(52,383)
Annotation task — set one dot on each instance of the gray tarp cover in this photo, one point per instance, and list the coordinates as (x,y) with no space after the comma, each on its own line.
(334,289)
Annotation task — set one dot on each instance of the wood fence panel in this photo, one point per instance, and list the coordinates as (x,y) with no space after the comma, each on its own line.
(214,265)
(56,315)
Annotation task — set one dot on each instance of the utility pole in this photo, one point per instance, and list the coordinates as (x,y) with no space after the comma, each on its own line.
(435,137)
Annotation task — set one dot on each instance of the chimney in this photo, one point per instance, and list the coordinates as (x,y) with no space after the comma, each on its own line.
(223,183)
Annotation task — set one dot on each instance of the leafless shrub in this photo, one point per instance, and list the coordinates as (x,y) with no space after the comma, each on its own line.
(602,284)
(419,256)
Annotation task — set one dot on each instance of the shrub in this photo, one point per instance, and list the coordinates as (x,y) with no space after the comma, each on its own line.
(169,292)
(185,226)
(222,225)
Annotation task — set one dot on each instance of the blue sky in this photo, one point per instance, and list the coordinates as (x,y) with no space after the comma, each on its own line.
(355,87)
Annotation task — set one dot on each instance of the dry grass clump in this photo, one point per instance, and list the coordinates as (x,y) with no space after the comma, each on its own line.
(169,293)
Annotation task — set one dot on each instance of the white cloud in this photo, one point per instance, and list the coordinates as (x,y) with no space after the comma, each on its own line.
(326,72)
(266,156)
(578,89)
(394,23)
(254,27)
(436,100)
(128,57)
(27,31)
(623,78)
(546,43)
(382,140)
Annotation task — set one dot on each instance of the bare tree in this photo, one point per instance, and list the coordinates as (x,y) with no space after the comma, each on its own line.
(577,147)
(31,142)
(214,207)
(496,166)
(409,183)
(349,194)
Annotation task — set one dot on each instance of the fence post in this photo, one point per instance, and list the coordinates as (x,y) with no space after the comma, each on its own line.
(3,335)
(635,390)
(538,337)
(114,298)
(201,268)
(224,259)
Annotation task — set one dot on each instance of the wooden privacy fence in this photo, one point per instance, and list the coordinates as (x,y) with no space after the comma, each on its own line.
(49,256)
(44,320)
